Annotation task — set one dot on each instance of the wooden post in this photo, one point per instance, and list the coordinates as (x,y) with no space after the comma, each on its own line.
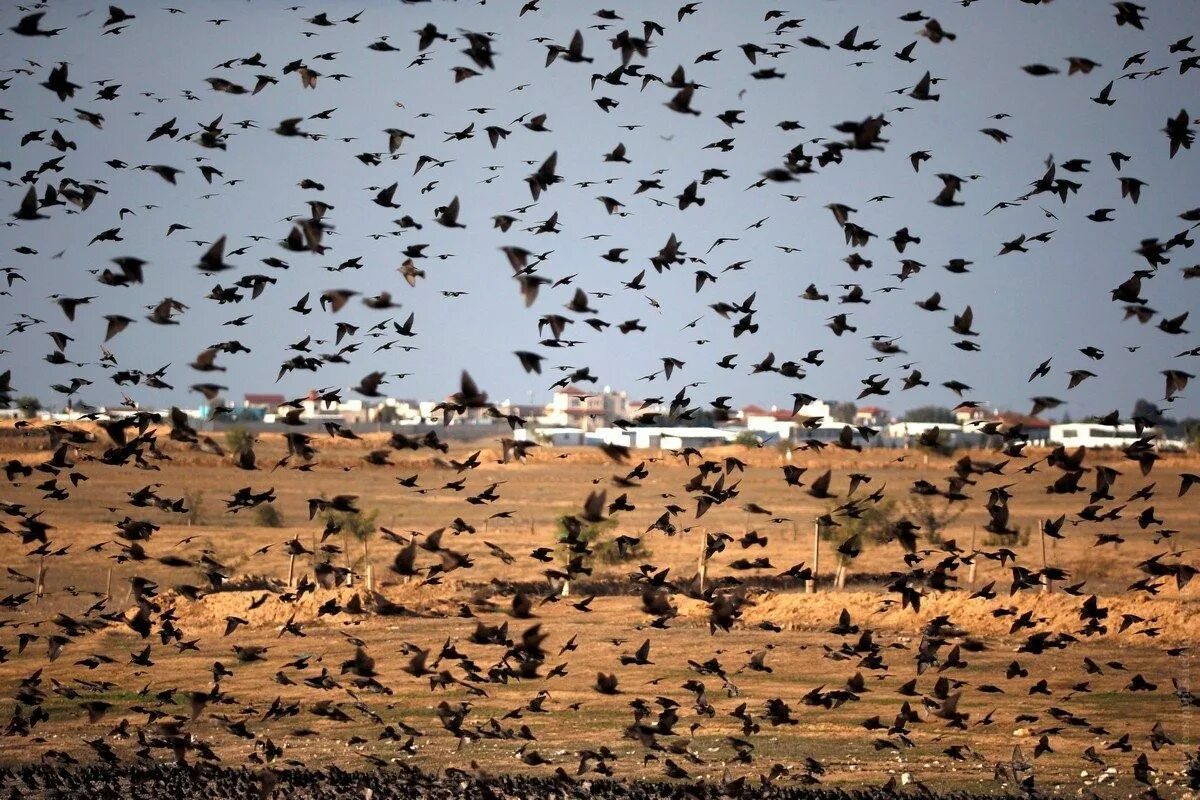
(346,561)
(1046,587)
(291,571)
(367,567)
(810,586)
(702,567)
(974,560)
(41,581)
(839,580)
(108,585)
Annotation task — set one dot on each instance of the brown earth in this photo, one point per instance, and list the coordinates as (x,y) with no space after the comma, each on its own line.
(802,657)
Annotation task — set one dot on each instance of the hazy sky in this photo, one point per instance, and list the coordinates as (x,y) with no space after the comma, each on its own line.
(1028,307)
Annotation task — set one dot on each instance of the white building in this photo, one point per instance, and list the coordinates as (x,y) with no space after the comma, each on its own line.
(554,437)
(783,423)
(907,432)
(571,406)
(675,438)
(660,438)
(1090,434)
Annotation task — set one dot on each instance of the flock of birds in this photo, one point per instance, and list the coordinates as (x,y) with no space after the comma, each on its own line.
(358,327)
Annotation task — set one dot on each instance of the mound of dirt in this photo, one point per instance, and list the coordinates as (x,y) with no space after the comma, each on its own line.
(211,610)
(1176,619)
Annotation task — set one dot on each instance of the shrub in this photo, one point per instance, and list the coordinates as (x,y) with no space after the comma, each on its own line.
(238,439)
(590,532)
(872,524)
(747,439)
(360,525)
(194,500)
(931,516)
(29,406)
(1021,539)
(607,552)
(267,516)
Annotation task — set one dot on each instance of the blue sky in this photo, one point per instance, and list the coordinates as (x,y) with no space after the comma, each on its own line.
(1028,307)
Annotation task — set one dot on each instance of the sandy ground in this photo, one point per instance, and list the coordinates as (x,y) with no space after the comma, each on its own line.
(789,626)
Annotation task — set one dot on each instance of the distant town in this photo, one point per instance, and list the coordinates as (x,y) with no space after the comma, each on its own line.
(576,416)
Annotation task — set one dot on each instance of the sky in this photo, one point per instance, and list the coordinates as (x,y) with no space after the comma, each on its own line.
(1028,307)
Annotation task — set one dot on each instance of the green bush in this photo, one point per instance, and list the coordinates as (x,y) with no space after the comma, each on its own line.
(267,516)
(875,523)
(605,549)
(607,552)
(360,525)
(239,439)
(589,531)
(747,439)
(29,406)
(932,516)
(871,526)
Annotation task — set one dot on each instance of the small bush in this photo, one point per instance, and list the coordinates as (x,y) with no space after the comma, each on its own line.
(747,439)
(360,525)
(238,439)
(267,516)
(29,406)
(607,552)
(194,500)
(1021,539)
(590,532)
(872,525)
(932,516)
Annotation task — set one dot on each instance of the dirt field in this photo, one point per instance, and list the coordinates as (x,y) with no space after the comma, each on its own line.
(340,719)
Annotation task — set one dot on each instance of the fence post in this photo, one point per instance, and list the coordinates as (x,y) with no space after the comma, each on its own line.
(367,567)
(41,581)
(1046,586)
(291,570)
(108,585)
(974,560)
(703,560)
(810,586)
